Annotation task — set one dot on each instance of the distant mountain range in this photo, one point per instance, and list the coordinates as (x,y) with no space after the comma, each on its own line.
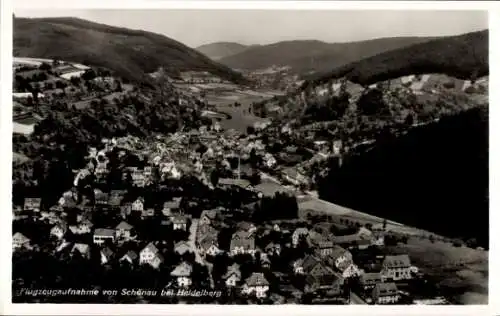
(220,50)
(129,53)
(462,56)
(305,56)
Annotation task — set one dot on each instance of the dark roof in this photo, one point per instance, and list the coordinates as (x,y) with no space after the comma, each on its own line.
(309,262)
(182,246)
(124,225)
(107,252)
(338,251)
(211,214)
(399,261)
(242,239)
(385,289)
(208,240)
(104,232)
(371,278)
(256,279)
(325,280)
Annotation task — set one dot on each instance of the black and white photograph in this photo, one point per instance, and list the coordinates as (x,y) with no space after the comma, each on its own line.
(244,157)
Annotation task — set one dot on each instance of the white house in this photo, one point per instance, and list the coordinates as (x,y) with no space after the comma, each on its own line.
(183,274)
(138,205)
(124,230)
(150,255)
(101,235)
(256,284)
(397,267)
(59,230)
(232,276)
(20,241)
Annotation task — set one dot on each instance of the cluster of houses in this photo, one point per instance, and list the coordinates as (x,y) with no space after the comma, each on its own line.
(326,269)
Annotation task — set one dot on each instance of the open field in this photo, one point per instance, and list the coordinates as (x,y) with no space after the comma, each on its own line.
(460,271)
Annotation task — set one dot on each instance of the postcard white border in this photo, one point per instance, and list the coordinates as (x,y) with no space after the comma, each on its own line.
(7,308)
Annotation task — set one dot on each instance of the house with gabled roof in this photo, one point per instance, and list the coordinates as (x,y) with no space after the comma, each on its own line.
(397,267)
(247,227)
(209,244)
(183,274)
(182,247)
(368,280)
(115,201)
(297,234)
(101,235)
(265,262)
(331,282)
(242,242)
(232,276)
(138,205)
(150,255)
(207,217)
(20,241)
(322,244)
(256,284)
(180,222)
(124,230)
(138,178)
(342,260)
(240,183)
(130,257)
(125,210)
(169,207)
(81,249)
(385,293)
(203,229)
(273,248)
(310,265)
(59,230)
(32,204)
(101,198)
(106,255)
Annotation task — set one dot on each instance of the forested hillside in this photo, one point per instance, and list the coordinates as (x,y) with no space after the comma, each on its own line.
(130,53)
(435,178)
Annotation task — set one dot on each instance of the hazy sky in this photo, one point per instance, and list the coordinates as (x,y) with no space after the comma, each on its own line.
(197,27)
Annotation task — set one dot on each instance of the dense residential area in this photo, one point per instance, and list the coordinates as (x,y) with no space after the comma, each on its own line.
(195,189)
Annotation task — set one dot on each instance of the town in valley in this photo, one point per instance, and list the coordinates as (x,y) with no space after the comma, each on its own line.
(199,187)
